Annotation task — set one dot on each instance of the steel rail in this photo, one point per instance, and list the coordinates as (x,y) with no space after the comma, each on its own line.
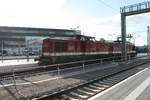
(62,92)
(37,71)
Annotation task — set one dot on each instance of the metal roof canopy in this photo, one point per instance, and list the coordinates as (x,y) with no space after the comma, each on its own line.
(135,9)
(26,31)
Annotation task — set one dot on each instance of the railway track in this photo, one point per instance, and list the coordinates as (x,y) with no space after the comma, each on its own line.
(61,86)
(35,68)
(25,72)
(86,90)
(7,73)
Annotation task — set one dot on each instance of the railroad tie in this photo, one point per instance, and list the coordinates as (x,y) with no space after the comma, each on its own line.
(78,95)
(88,88)
(102,85)
(99,87)
(64,97)
(96,87)
(70,98)
(111,82)
(113,79)
(83,91)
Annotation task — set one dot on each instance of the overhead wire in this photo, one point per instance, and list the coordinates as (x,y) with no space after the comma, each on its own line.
(107,5)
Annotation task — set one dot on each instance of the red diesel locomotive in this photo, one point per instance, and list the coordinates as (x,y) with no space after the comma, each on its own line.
(78,48)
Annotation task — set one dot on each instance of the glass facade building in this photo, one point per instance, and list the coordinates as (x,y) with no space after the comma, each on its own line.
(20,40)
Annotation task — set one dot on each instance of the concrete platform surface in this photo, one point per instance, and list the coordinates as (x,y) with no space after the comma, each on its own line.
(17,62)
(136,87)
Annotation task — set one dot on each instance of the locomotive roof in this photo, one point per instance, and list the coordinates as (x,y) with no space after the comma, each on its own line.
(84,36)
(121,42)
(88,36)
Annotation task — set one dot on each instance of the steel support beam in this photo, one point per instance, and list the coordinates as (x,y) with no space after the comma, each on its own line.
(128,11)
(148,40)
(137,12)
(123,36)
(2,49)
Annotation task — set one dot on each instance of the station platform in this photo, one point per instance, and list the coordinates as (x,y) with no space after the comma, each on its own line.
(136,87)
(17,62)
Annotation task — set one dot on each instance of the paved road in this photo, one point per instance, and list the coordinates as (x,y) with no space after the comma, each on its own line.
(137,87)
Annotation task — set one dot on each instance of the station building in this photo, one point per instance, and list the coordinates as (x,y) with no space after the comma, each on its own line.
(15,40)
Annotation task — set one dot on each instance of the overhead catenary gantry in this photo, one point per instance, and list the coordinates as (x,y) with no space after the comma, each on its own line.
(148,39)
(125,11)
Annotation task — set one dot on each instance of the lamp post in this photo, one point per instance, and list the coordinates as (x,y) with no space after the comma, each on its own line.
(28,48)
(148,40)
(2,47)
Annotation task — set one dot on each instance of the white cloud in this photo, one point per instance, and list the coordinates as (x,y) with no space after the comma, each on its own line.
(35,13)
(53,14)
(110,27)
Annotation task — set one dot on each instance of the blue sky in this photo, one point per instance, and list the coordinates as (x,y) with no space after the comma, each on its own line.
(99,9)
(92,8)
(96,8)
(94,17)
